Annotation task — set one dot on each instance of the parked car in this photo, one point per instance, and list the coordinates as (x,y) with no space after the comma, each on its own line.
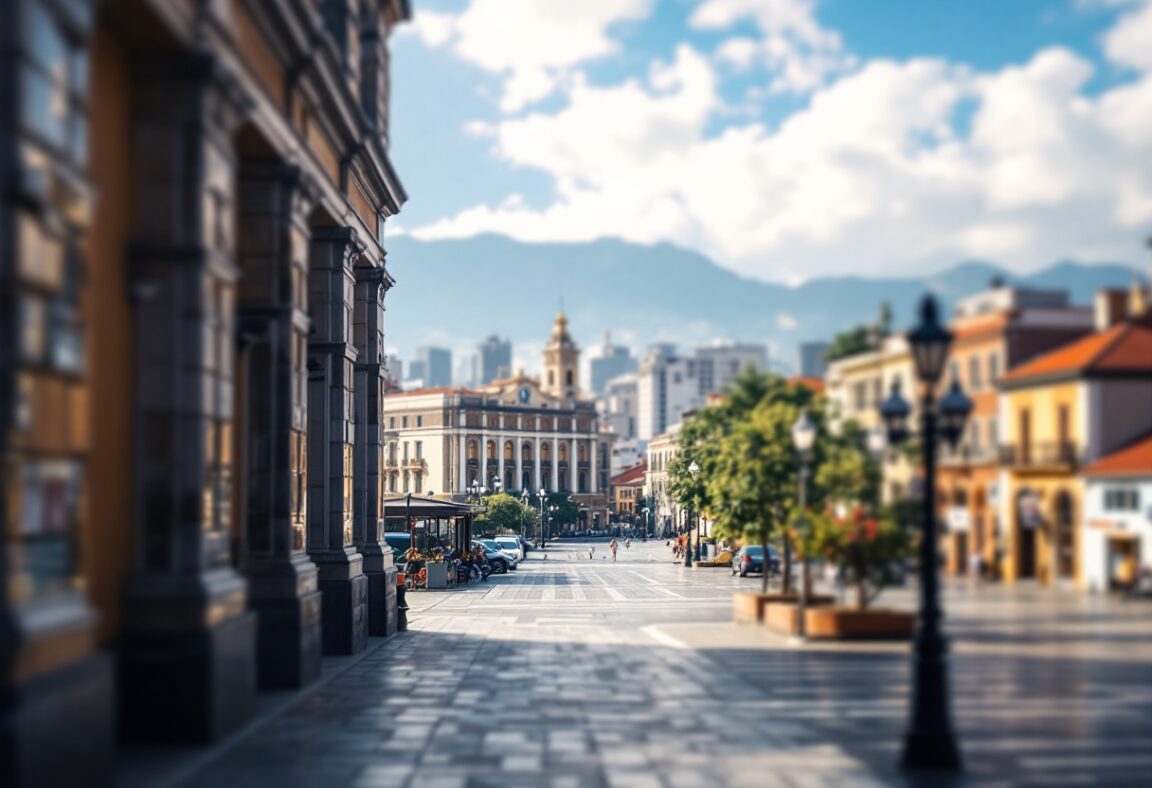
(750,558)
(513,557)
(499,562)
(511,543)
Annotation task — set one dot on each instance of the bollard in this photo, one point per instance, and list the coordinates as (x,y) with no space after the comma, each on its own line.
(401,608)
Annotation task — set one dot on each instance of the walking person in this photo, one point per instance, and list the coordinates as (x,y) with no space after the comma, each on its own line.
(613,547)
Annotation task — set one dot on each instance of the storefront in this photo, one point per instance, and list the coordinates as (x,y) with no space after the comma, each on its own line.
(1117,527)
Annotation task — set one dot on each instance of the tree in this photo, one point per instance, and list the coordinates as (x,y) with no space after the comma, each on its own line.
(504,513)
(868,548)
(567,510)
(861,339)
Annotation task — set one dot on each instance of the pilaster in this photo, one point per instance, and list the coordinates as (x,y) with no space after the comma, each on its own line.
(331,440)
(272,243)
(188,639)
(368,524)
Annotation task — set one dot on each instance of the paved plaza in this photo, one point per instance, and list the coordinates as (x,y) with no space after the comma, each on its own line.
(578,672)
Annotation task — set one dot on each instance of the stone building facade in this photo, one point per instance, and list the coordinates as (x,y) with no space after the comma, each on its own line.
(191,289)
(515,434)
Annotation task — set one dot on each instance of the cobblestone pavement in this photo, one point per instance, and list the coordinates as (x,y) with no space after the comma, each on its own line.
(578,672)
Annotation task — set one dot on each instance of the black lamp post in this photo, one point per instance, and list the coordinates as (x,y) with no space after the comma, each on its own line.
(693,471)
(408,517)
(524,499)
(930,742)
(543,536)
(803,436)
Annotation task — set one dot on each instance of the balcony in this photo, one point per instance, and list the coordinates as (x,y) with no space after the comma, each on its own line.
(963,456)
(1060,455)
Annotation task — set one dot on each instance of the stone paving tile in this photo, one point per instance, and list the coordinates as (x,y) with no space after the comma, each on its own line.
(547,677)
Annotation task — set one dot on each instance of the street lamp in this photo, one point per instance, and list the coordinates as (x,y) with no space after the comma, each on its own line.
(930,742)
(524,499)
(803,436)
(693,471)
(543,534)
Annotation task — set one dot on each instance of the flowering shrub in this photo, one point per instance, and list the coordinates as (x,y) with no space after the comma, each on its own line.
(867,548)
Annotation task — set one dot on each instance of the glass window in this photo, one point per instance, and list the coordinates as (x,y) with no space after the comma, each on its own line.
(974,381)
(993,367)
(419,421)
(1122,499)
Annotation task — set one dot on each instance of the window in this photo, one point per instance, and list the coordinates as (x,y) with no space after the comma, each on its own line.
(568,377)
(953,371)
(403,421)
(419,421)
(392,422)
(405,451)
(993,432)
(419,450)
(1121,499)
(974,381)
(993,367)
(419,482)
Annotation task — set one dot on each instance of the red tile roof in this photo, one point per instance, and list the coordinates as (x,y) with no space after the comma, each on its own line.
(815,385)
(631,476)
(1126,347)
(1135,459)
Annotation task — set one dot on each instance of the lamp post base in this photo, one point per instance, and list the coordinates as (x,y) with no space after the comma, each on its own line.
(931,752)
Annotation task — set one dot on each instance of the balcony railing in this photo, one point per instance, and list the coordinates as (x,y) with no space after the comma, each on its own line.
(968,455)
(1047,454)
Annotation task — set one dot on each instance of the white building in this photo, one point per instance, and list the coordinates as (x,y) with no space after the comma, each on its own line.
(1116,533)
(718,364)
(515,434)
(617,406)
(667,387)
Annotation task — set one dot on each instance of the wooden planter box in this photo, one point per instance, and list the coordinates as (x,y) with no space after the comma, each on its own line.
(438,575)
(780,614)
(748,606)
(844,623)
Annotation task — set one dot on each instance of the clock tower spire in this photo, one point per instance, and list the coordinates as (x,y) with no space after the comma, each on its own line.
(561,362)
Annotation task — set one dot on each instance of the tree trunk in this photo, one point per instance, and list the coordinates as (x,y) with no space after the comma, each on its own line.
(786,579)
(764,574)
(861,595)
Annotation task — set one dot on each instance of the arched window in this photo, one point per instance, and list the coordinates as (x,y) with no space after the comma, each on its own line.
(545,452)
(491,450)
(472,450)
(563,452)
(509,451)
(568,378)
(582,452)
(583,481)
(526,451)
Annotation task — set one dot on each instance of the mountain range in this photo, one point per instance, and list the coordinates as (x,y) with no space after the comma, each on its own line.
(454,293)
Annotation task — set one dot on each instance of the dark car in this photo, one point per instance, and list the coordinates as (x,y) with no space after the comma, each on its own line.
(750,558)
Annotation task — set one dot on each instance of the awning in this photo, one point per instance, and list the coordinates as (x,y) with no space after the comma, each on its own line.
(423,507)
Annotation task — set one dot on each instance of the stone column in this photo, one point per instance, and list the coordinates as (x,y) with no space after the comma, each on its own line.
(518,459)
(331,439)
(188,645)
(536,464)
(574,467)
(593,464)
(500,440)
(462,482)
(272,248)
(368,522)
(555,464)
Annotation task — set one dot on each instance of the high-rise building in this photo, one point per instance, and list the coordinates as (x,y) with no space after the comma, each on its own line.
(617,406)
(717,364)
(811,363)
(417,371)
(667,388)
(494,359)
(607,361)
(435,366)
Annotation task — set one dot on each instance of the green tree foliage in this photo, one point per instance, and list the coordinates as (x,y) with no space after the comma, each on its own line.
(504,513)
(868,548)
(567,510)
(860,339)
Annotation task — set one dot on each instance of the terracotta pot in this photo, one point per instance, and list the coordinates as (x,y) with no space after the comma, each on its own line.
(780,613)
(843,623)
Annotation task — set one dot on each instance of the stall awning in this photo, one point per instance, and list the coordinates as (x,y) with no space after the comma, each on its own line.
(425,508)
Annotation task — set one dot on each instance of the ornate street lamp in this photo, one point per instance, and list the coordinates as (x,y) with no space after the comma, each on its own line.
(930,742)
(543,535)
(693,471)
(524,499)
(803,436)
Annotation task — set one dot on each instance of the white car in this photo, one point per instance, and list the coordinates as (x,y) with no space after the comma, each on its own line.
(512,556)
(511,544)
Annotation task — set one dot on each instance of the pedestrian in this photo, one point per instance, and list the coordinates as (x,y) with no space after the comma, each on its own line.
(613,546)
(627,544)
(976,566)
(591,551)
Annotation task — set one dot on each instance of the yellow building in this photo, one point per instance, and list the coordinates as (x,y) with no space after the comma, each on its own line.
(855,387)
(1058,412)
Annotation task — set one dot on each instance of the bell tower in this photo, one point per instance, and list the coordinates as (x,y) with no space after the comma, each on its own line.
(561,362)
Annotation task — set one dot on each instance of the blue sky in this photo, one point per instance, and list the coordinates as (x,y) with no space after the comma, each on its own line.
(784,138)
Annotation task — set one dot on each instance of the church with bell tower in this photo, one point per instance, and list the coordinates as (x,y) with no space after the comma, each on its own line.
(561,372)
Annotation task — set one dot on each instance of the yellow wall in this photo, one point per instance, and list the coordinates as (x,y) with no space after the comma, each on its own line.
(1044,403)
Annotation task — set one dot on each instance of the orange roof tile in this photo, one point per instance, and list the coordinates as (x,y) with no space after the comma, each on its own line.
(631,475)
(815,385)
(1126,347)
(1133,459)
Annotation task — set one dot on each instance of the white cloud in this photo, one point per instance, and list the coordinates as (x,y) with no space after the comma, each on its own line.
(1129,43)
(874,174)
(785,322)
(533,45)
(794,47)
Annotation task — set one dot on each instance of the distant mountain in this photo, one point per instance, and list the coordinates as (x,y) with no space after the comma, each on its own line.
(455,292)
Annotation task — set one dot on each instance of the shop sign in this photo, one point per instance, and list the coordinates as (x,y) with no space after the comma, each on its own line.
(958,518)
(1106,525)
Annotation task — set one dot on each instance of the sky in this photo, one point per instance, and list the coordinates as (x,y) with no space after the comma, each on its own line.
(785,139)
